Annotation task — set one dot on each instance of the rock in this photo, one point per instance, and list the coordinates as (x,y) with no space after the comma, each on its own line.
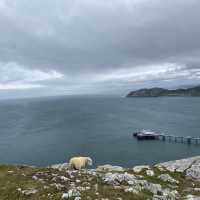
(96,187)
(80,188)
(35,178)
(139,176)
(138,169)
(132,190)
(194,171)
(167,178)
(197,189)
(77,198)
(157,197)
(153,188)
(71,193)
(173,195)
(166,195)
(58,186)
(29,192)
(64,178)
(179,165)
(46,187)
(65,196)
(91,172)
(191,197)
(110,168)
(150,172)
(63,166)
(116,178)
(130,182)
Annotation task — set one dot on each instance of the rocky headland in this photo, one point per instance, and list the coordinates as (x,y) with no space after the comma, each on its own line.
(171,180)
(159,92)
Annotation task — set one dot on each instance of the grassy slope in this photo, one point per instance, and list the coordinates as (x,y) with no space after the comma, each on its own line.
(14,177)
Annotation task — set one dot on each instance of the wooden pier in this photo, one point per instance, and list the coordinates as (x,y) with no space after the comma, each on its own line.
(148,135)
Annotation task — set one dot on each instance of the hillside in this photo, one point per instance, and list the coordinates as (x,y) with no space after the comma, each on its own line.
(166,181)
(157,92)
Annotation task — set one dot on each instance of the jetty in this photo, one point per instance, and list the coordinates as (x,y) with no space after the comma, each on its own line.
(150,135)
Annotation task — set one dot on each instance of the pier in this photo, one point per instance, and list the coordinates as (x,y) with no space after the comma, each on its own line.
(149,135)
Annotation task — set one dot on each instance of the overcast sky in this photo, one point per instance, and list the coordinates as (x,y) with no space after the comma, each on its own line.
(59,47)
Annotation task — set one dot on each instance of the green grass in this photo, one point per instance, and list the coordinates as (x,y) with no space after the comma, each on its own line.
(14,177)
(21,177)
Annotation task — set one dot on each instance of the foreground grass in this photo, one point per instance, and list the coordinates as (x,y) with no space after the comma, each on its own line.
(51,184)
(14,179)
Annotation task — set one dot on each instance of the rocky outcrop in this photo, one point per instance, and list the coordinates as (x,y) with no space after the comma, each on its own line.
(189,166)
(171,180)
(167,178)
(194,170)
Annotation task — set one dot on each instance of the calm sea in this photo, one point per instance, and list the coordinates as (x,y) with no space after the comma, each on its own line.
(44,131)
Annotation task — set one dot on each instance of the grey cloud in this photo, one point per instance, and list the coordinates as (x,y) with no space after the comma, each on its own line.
(84,38)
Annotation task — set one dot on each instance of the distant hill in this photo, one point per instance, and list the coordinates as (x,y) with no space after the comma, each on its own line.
(158,92)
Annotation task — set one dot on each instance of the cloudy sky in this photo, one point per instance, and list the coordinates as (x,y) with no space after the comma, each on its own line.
(59,47)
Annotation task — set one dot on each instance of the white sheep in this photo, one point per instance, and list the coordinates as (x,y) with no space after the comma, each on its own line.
(80,162)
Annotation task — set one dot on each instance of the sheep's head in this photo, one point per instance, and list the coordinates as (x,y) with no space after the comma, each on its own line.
(89,161)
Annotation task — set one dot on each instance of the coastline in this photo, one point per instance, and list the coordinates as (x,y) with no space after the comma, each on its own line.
(179,179)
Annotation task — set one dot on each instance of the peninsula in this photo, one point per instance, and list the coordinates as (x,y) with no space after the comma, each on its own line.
(159,92)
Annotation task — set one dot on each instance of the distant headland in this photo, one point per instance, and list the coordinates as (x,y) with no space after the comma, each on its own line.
(159,92)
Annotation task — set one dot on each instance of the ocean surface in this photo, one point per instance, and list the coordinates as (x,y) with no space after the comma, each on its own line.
(44,131)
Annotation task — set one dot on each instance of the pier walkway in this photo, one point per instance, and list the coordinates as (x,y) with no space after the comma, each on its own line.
(149,135)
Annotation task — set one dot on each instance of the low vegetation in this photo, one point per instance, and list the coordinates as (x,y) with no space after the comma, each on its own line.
(25,182)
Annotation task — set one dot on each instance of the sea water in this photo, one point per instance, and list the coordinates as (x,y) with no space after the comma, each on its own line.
(44,131)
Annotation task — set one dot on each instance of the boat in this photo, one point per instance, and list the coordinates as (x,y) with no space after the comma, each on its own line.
(145,135)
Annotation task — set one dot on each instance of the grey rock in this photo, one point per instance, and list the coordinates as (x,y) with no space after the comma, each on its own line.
(178,165)
(157,197)
(132,190)
(138,169)
(77,198)
(167,195)
(58,186)
(167,178)
(150,172)
(194,171)
(35,178)
(81,188)
(117,178)
(71,193)
(62,166)
(64,178)
(65,196)
(110,168)
(153,188)
(29,192)
(191,197)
